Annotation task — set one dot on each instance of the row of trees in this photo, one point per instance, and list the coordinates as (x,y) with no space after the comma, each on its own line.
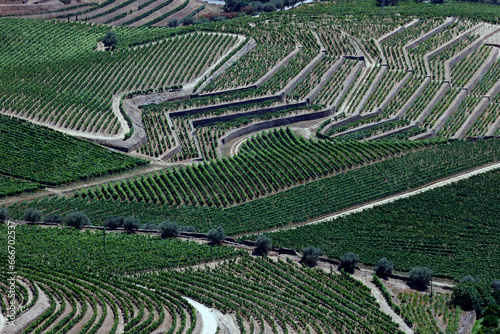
(31,215)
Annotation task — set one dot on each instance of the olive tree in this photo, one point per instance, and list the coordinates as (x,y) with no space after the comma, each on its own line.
(77,219)
(113,222)
(169,229)
(420,276)
(383,268)
(310,256)
(53,218)
(263,244)
(217,235)
(472,295)
(32,215)
(131,224)
(110,39)
(4,215)
(349,262)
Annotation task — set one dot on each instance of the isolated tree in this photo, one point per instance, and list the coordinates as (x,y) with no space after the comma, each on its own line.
(349,262)
(110,39)
(113,222)
(263,244)
(32,215)
(383,268)
(470,295)
(53,218)
(310,256)
(4,215)
(131,224)
(420,276)
(169,229)
(77,219)
(173,23)
(217,235)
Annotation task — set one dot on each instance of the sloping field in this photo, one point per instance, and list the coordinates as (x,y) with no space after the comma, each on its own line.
(81,102)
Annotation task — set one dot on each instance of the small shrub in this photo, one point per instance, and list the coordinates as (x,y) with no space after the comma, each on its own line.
(187,21)
(310,256)
(77,219)
(495,284)
(490,321)
(32,215)
(173,23)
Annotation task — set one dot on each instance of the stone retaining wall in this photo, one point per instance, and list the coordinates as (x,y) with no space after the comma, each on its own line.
(250,45)
(472,118)
(459,56)
(364,127)
(278,66)
(429,34)
(225,118)
(392,132)
(450,110)
(199,110)
(271,124)
(469,86)
(493,127)
(137,139)
(177,147)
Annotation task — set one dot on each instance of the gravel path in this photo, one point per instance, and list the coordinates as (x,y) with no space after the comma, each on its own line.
(208,319)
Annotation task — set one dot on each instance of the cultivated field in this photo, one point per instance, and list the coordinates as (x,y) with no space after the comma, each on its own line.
(258,124)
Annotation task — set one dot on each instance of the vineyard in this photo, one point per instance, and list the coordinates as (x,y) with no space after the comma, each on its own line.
(442,228)
(294,205)
(173,112)
(144,302)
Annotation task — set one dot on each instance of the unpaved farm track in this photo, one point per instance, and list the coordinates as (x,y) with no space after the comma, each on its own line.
(412,192)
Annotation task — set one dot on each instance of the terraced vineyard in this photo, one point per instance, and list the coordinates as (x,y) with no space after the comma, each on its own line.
(253,124)
(442,228)
(144,303)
